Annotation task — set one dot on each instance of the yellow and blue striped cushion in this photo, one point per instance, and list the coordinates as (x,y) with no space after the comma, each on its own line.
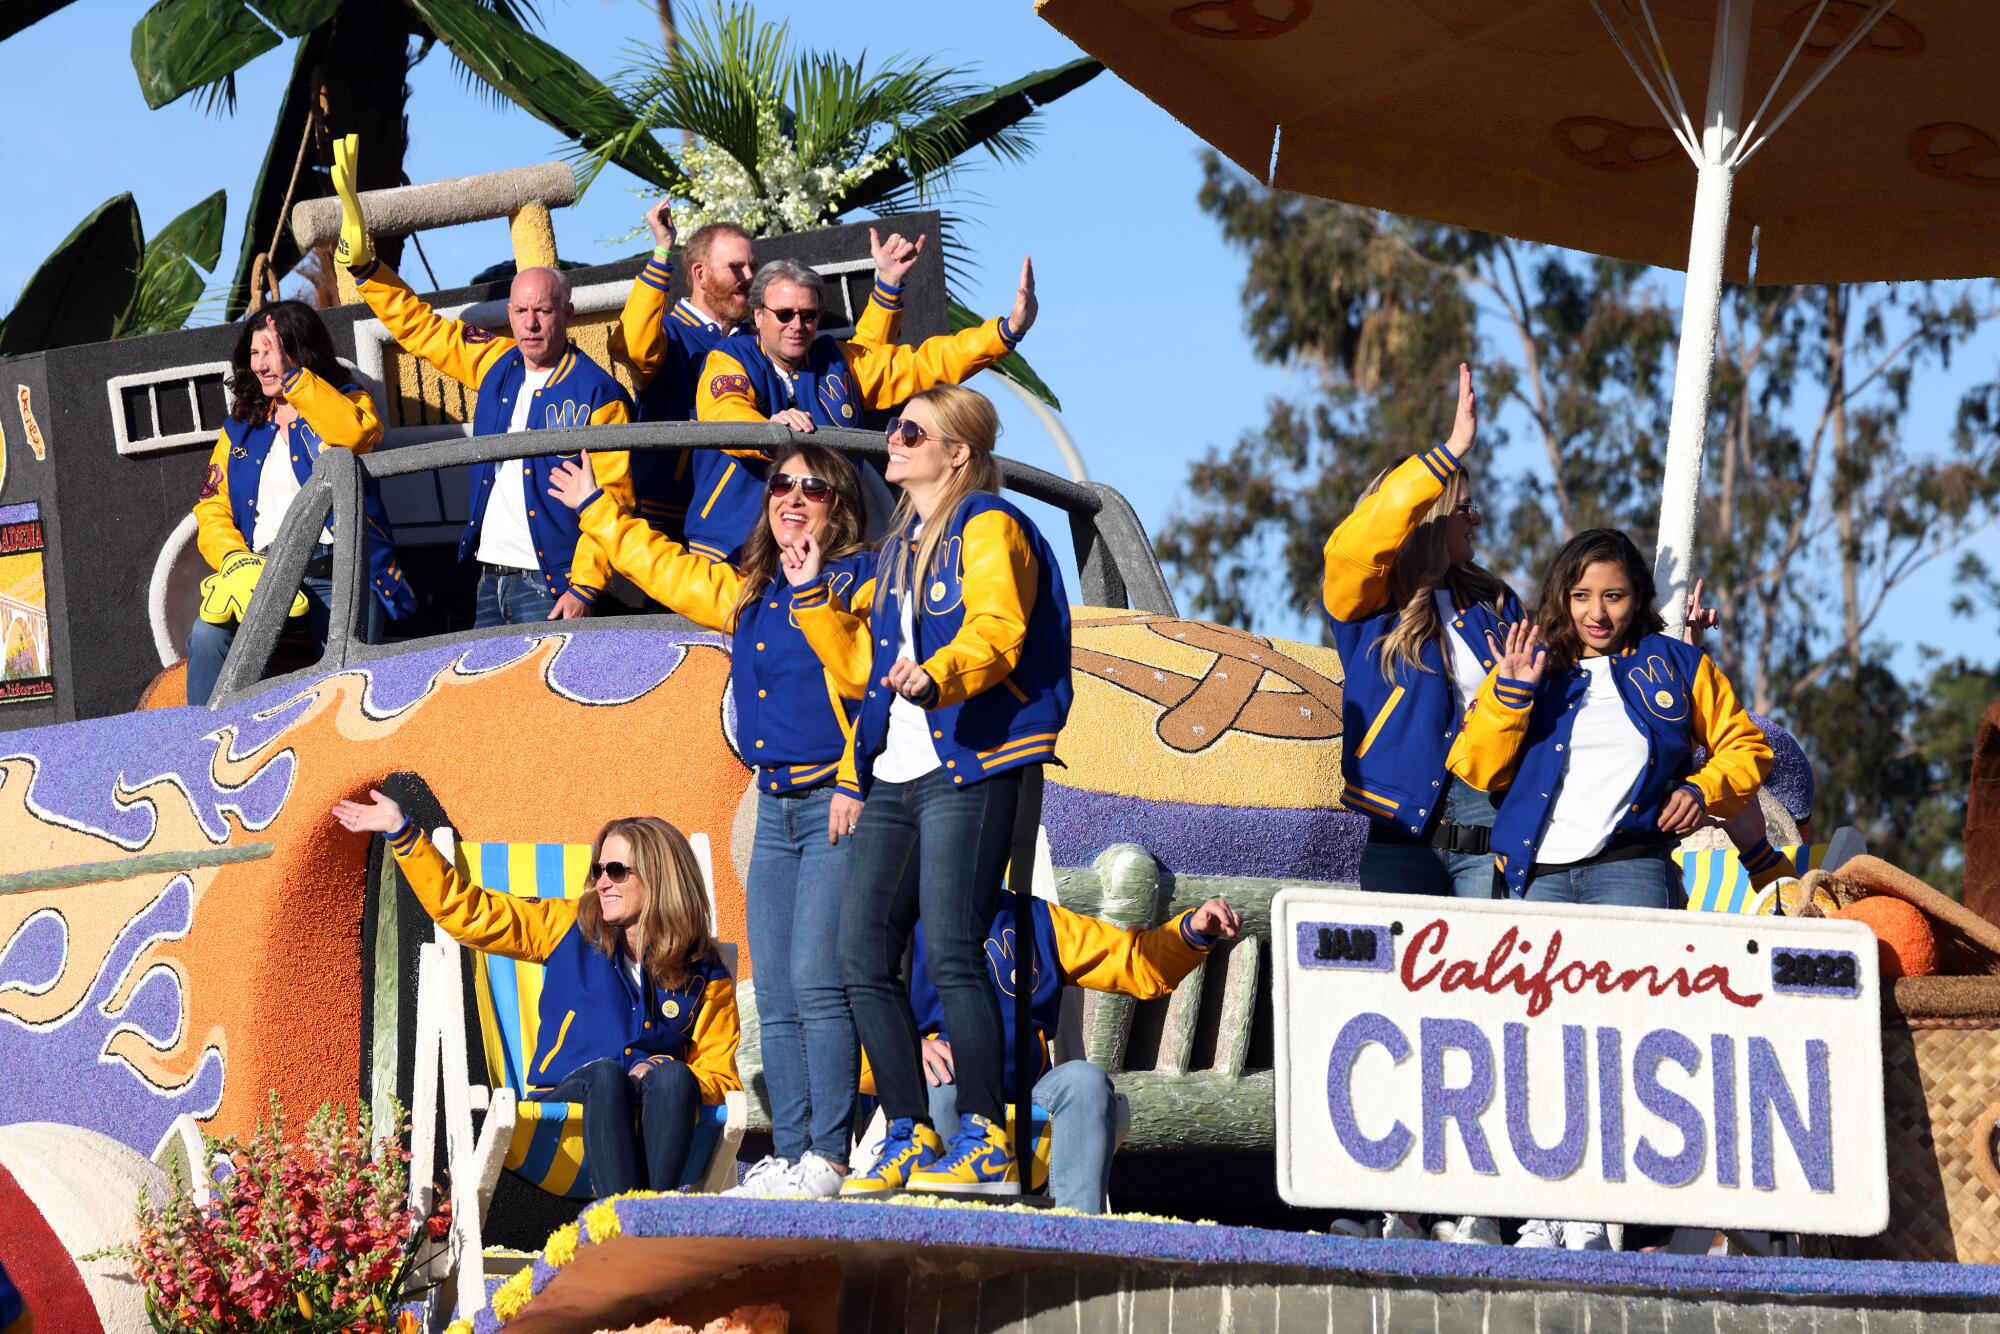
(1716,881)
(547,1147)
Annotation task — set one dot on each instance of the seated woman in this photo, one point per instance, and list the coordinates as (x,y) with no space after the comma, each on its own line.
(289,398)
(638,1014)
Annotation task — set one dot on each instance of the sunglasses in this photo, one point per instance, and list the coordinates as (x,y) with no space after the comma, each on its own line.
(1470,511)
(787,316)
(616,870)
(907,433)
(816,489)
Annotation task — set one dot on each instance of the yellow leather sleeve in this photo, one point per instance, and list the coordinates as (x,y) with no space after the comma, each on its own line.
(457,350)
(1738,754)
(1103,957)
(639,339)
(839,634)
(998,583)
(519,928)
(887,375)
(731,404)
(348,421)
(711,1049)
(1488,747)
(702,590)
(878,325)
(589,564)
(215,531)
(1360,552)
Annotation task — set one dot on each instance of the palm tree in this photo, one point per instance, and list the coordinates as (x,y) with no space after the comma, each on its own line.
(348,74)
(780,139)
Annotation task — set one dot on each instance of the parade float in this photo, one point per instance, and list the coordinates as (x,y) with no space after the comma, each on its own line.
(184,937)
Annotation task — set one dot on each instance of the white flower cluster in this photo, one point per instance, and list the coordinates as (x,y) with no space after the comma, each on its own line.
(796,194)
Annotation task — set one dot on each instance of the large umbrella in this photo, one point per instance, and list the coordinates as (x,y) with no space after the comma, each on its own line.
(1568,122)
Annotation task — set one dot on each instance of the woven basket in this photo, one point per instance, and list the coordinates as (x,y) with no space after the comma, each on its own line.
(1940,1082)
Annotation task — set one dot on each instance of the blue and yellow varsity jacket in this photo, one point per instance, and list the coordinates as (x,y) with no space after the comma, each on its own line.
(1397,731)
(843,381)
(992,632)
(225,513)
(666,347)
(791,722)
(1087,953)
(579,393)
(589,1008)
(1516,738)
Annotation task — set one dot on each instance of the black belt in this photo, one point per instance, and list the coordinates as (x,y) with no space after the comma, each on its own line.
(1621,848)
(1445,836)
(504,570)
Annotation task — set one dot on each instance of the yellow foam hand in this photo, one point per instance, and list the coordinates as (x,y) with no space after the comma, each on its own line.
(353,248)
(225,595)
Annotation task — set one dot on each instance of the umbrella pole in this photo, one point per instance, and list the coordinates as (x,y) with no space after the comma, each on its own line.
(1701,310)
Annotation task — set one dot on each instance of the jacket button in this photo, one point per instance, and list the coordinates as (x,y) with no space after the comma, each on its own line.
(938,735)
(760,647)
(885,643)
(951,764)
(628,1051)
(531,514)
(1635,810)
(774,606)
(871,694)
(958,778)
(647,1024)
(1434,782)
(761,694)
(760,745)
(774,787)
(1559,745)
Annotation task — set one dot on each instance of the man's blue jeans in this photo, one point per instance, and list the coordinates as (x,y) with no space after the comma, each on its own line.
(635,1135)
(793,902)
(1410,868)
(934,849)
(511,599)
(208,643)
(1082,1125)
(1640,882)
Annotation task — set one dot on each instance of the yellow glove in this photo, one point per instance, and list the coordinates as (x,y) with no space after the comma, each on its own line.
(225,595)
(353,248)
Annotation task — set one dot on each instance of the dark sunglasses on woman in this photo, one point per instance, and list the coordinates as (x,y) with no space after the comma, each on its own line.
(907,433)
(816,488)
(616,870)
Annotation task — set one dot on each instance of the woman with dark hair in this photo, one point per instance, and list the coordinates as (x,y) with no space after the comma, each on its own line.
(791,725)
(1591,723)
(289,398)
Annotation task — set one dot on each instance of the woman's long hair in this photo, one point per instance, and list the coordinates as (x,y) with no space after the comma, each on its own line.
(967,417)
(1422,566)
(1566,572)
(305,341)
(674,930)
(845,516)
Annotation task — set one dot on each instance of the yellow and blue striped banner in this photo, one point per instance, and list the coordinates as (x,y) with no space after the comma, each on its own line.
(1716,881)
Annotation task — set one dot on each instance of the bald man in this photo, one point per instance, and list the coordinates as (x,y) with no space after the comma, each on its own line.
(534,563)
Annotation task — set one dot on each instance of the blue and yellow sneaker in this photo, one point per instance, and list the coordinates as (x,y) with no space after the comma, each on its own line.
(980,1161)
(908,1146)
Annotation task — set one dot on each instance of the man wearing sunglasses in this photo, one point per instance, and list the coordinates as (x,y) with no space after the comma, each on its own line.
(664,344)
(790,373)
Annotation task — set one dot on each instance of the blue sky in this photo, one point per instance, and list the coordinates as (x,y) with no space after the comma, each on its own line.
(1142,325)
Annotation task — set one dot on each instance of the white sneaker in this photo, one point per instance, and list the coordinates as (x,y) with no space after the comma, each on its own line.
(1541,1234)
(769,1178)
(1473,1230)
(1586,1237)
(1398,1227)
(814,1179)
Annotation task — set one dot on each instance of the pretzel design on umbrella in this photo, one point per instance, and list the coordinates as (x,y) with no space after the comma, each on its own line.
(1958,152)
(1611,145)
(1197,712)
(1245,21)
(1891,35)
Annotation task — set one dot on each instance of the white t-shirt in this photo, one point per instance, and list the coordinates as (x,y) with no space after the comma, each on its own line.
(631,967)
(1467,672)
(1602,761)
(277,487)
(504,538)
(909,752)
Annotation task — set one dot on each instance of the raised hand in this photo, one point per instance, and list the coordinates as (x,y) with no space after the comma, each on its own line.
(801,561)
(1216,918)
(573,481)
(1022,317)
(1699,619)
(894,255)
(1465,426)
(377,815)
(1523,657)
(911,681)
(660,221)
(353,248)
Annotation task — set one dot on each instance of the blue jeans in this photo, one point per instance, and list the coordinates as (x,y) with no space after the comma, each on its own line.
(934,849)
(511,599)
(1640,882)
(1082,1124)
(1409,868)
(208,643)
(635,1136)
(793,909)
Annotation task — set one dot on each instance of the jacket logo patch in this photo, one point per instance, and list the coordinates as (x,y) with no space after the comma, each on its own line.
(212,484)
(239,452)
(1655,678)
(948,592)
(558,416)
(671,1009)
(476,335)
(719,385)
(1000,960)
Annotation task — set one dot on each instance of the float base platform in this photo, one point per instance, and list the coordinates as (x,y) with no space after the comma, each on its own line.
(844,1268)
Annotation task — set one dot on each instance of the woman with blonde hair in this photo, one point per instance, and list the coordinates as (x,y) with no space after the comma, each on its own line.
(793,727)
(638,1014)
(958,651)
(1410,611)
